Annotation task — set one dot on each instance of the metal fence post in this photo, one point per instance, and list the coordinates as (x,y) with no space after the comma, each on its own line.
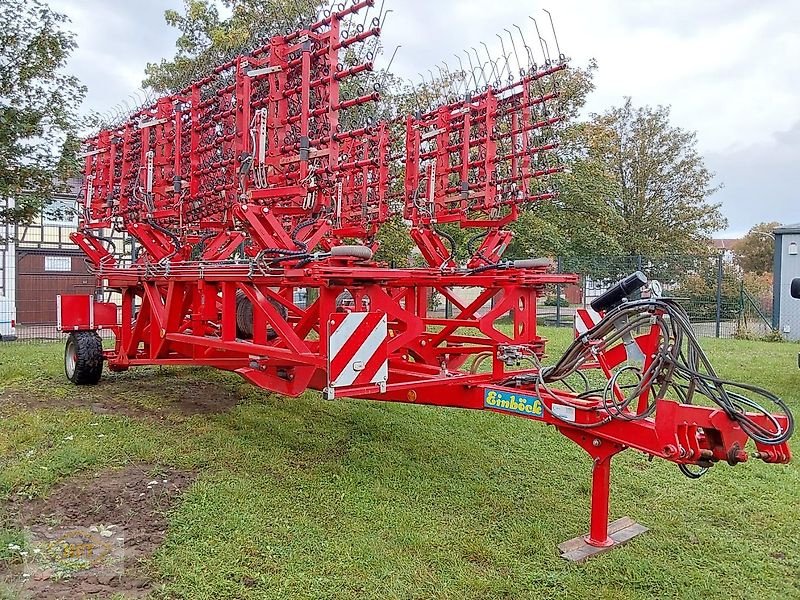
(719,293)
(558,294)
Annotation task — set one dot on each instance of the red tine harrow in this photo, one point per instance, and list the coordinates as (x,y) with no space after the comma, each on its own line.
(271,175)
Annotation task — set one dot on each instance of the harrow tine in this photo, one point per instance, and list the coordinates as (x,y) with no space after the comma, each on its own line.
(492,75)
(542,43)
(514,47)
(385,17)
(387,70)
(472,71)
(561,56)
(441,78)
(451,82)
(461,74)
(381,15)
(506,65)
(366,17)
(507,56)
(480,67)
(531,60)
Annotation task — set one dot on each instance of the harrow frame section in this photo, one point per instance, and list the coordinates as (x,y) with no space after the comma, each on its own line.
(278,128)
(188,315)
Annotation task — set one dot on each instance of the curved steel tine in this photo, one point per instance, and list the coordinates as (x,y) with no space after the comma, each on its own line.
(381,15)
(514,47)
(386,16)
(542,41)
(376,42)
(433,77)
(424,83)
(480,67)
(472,70)
(505,66)
(441,82)
(493,74)
(460,64)
(366,16)
(528,51)
(461,73)
(449,77)
(446,68)
(391,60)
(135,108)
(503,48)
(555,37)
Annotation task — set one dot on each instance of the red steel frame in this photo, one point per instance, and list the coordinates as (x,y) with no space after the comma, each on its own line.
(231,185)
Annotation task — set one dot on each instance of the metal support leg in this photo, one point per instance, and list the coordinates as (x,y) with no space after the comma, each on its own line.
(598,522)
(602,535)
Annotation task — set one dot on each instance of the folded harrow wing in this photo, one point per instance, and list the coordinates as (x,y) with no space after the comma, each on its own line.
(267,180)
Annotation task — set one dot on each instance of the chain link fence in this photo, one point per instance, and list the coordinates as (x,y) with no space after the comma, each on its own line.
(720,300)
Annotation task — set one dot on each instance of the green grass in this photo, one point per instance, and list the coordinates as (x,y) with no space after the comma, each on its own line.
(302,498)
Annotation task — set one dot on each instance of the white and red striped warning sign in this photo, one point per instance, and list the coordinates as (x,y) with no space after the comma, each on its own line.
(585,319)
(358,351)
(629,350)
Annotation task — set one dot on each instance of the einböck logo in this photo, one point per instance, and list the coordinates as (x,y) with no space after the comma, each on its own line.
(518,403)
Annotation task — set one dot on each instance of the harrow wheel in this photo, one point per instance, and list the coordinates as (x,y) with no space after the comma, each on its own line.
(83,357)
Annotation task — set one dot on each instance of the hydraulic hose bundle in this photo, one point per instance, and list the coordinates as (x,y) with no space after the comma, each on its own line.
(678,364)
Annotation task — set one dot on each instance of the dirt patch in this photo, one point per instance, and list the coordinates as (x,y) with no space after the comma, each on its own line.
(123,395)
(204,398)
(90,536)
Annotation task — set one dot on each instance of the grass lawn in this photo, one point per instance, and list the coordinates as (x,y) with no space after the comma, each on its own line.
(302,498)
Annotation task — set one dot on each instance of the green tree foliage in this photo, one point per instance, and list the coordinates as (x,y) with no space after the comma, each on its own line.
(755,252)
(395,244)
(38,106)
(579,222)
(661,185)
(206,39)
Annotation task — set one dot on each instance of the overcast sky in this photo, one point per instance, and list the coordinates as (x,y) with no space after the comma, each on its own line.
(730,69)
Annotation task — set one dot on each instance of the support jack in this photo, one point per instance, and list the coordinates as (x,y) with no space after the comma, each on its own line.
(602,535)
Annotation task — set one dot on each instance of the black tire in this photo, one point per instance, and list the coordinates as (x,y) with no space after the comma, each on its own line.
(244,316)
(83,357)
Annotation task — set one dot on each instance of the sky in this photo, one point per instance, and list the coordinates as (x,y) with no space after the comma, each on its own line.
(728,69)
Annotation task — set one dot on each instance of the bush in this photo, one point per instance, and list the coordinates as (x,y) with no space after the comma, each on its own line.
(556,301)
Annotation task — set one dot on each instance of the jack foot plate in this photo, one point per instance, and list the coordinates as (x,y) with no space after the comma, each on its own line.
(619,532)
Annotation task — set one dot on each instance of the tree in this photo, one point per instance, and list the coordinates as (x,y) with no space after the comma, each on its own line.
(395,243)
(579,222)
(38,107)
(662,185)
(207,40)
(755,252)
(576,223)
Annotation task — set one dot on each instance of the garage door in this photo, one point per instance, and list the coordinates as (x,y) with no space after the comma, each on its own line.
(43,276)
